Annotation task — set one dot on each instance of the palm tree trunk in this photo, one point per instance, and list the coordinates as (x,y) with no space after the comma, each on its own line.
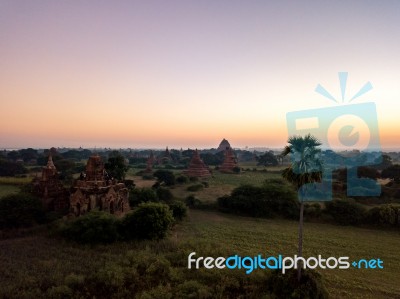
(300,239)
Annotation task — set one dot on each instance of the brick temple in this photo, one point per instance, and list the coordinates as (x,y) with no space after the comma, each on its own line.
(197,168)
(224,144)
(95,189)
(149,163)
(230,161)
(50,189)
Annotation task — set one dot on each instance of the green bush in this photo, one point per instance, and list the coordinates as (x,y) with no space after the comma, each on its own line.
(384,215)
(191,201)
(182,179)
(149,221)
(269,200)
(94,227)
(137,196)
(193,179)
(164,194)
(312,210)
(194,188)
(165,176)
(287,286)
(345,212)
(178,209)
(193,289)
(147,176)
(236,169)
(21,210)
(205,184)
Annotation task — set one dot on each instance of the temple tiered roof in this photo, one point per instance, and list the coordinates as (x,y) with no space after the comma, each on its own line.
(229,161)
(197,168)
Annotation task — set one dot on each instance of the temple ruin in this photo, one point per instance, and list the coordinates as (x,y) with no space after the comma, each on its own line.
(223,145)
(197,168)
(149,163)
(95,189)
(50,189)
(230,162)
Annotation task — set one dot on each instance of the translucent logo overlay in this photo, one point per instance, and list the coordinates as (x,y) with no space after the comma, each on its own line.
(349,136)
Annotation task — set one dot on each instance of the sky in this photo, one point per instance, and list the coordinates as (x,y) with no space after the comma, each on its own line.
(185,74)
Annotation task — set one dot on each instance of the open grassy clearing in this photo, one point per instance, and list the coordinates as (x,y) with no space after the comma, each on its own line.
(8,190)
(219,184)
(222,184)
(15,181)
(249,236)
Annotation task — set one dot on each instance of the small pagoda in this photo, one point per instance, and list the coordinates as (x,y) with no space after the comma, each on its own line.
(229,161)
(165,157)
(197,168)
(149,163)
(50,189)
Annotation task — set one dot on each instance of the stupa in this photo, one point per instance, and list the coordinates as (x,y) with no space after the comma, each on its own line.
(223,145)
(50,189)
(229,161)
(150,162)
(197,168)
(165,157)
(96,190)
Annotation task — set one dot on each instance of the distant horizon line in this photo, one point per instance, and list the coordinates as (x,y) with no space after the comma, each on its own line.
(383,149)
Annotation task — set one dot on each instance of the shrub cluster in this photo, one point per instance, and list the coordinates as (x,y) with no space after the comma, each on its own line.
(92,228)
(272,199)
(157,271)
(149,221)
(165,176)
(287,286)
(140,195)
(387,215)
(21,210)
(345,212)
(194,188)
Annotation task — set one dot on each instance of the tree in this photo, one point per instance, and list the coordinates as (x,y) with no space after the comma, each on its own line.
(392,172)
(384,162)
(165,176)
(116,166)
(306,168)
(9,168)
(267,159)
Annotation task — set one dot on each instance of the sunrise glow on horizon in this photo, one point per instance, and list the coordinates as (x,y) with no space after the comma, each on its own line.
(135,74)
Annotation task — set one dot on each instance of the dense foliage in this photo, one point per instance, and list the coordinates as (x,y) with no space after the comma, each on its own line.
(165,176)
(9,168)
(116,166)
(287,286)
(149,221)
(387,215)
(20,210)
(92,228)
(274,198)
(345,212)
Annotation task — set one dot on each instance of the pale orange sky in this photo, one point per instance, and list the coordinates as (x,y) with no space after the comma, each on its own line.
(186,74)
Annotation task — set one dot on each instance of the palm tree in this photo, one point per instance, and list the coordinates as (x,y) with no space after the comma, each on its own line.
(306,168)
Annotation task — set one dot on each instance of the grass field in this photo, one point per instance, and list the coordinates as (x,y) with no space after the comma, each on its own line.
(249,236)
(8,190)
(219,184)
(36,262)
(15,181)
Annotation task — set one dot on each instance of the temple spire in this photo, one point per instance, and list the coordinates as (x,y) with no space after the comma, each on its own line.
(50,163)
